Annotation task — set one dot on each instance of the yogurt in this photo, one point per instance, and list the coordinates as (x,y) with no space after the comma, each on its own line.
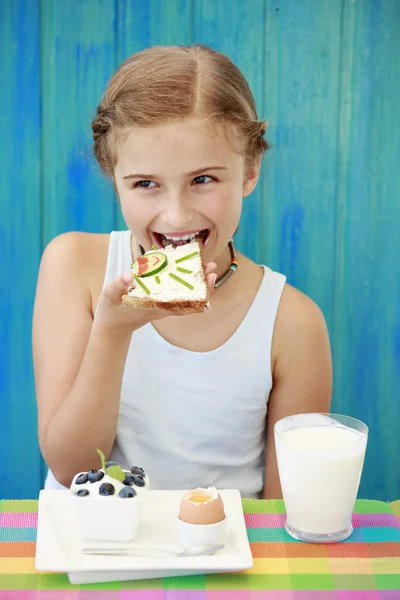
(106,509)
(139,485)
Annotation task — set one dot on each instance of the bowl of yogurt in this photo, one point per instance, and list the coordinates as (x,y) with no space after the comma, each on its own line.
(106,503)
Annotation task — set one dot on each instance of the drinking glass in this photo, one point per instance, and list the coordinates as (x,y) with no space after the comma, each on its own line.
(320,460)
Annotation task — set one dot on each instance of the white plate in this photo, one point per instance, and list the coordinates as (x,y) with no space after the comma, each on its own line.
(58,544)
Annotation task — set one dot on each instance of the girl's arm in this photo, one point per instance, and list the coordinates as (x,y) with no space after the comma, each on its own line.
(302,371)
(78,364)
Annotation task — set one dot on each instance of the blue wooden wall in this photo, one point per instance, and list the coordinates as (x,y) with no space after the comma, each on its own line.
(325,74)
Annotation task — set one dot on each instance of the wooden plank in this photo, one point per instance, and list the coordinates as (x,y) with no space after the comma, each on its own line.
(78,56)
(239,32)
(301,98)
(367,288)
(20,469)
(144,23)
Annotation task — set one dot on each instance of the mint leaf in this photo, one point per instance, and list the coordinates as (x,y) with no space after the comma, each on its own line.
(116,472)
(103,459)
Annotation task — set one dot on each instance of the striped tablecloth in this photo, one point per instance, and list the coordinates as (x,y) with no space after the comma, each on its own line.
(364,567)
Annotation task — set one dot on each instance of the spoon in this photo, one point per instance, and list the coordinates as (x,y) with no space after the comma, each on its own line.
(121,551)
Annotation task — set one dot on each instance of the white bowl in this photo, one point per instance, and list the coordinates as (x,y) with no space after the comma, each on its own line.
(201,535)
(107,518)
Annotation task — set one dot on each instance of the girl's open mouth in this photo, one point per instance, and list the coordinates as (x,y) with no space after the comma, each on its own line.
(175,240)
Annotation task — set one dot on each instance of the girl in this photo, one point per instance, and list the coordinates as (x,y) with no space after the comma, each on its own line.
(193,399)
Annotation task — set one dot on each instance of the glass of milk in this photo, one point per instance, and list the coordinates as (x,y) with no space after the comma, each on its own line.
(320,460)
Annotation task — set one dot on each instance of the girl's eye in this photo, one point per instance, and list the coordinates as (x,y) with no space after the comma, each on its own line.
(144,183)
(148,184)
(202,179)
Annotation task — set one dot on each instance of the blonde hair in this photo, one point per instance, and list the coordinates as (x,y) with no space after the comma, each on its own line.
(170,82)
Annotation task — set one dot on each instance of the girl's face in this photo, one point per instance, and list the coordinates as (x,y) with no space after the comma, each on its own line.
(180,179)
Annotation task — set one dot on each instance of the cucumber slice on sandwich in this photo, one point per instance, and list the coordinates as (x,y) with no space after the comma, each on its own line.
(149,264)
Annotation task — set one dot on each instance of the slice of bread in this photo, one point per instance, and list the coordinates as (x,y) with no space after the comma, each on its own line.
(170,278)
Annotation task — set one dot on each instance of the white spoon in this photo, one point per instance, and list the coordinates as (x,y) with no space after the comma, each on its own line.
(195,551)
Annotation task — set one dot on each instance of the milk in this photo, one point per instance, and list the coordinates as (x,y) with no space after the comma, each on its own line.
(320,469)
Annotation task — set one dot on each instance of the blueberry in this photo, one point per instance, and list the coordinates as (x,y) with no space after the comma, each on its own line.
(106,489)
(111,463)
(139,481)
(127,492)
(95,475)
(83,492)
(129,479)
(82,478)
(137,471)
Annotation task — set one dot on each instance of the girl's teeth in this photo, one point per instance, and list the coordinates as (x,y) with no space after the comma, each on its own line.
(175,240)
(181,238)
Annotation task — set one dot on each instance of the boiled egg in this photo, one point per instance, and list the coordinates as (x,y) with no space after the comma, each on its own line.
(202,506)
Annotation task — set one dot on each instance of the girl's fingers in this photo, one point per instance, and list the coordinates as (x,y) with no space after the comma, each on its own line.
(210,267)
(117,288)
(211,278)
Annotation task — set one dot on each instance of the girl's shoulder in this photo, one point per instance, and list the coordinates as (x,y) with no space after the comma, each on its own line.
(299,322)
(77,258)
(84,251)
(297,311)
(300,325)
(71,241)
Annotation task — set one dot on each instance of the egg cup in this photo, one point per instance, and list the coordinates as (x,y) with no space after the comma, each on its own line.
(110,519)
(191,535)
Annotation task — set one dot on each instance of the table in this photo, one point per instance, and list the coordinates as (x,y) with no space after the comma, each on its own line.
(364,567)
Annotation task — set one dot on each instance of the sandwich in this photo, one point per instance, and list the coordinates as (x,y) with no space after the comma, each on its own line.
(172,278)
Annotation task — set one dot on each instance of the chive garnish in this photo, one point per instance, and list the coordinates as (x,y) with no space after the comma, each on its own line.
(182,281)
(158,279)
(146,289)
(186,257)
(182,270)
(154,247)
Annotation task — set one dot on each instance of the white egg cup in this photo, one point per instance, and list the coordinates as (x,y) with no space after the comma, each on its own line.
(191,535)
(110,518)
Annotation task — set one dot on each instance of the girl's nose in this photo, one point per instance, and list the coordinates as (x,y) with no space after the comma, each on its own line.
(177,212)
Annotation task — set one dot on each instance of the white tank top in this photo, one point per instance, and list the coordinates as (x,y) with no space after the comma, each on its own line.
(196,418)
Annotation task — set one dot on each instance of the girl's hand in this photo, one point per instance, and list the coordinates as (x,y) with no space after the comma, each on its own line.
(112,314)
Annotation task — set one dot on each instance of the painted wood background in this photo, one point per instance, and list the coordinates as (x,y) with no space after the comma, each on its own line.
(325,74)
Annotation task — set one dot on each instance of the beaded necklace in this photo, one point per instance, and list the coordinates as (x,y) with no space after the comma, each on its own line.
(232,268)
